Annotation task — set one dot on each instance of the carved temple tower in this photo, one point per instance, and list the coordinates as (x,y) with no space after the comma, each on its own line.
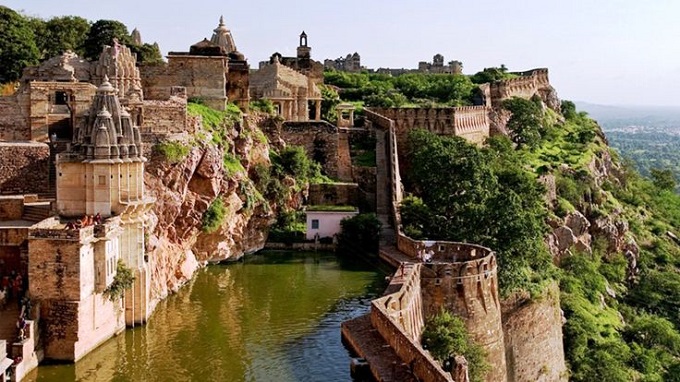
(73,257)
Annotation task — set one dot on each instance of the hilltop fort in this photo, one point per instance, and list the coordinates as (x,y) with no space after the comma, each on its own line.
(87,198)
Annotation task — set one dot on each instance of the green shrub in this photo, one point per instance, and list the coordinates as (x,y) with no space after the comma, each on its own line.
(214,216)
(263,105)
(122,281)
(360,232)
(445,336)
(173,151)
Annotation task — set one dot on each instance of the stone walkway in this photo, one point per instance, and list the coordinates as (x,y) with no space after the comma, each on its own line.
(368,344)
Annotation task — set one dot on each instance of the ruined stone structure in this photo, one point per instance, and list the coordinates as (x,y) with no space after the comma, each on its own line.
(213,70)
(295,96)
(525,85)
(302,62)
(350,63)
(323,143)
(436,66)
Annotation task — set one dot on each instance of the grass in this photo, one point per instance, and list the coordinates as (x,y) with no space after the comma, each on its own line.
(173,151)
(329,208)
(215,121)
(232,165)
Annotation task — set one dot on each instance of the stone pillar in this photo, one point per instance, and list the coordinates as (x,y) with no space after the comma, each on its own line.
(317,110)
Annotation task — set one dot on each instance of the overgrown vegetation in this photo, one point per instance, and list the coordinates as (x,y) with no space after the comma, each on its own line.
(414,89)
(122,281)
(216,122)
(359,233)
(173,151)
(214,216)
(263,105)
(445,336)
(485,196)
(622,313)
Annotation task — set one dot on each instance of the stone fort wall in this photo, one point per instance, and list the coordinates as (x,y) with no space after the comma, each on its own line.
(462,278)
(322,141)
(166,117)
(526,85)
(469,122)
(203,77)
(533,338)
(398,317)
(24,168)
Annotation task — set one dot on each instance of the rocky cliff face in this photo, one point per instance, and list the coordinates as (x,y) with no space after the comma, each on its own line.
(177,245)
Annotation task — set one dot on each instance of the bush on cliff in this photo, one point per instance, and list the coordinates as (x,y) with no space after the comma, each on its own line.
(445,336)
(214,216)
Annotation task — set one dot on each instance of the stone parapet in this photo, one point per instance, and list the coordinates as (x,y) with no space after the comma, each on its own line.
(398,318)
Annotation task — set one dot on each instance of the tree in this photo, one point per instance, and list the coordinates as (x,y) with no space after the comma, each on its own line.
(360,232)
(102,33)
(568,109)
(525,124)
(329,100)
(663,179)
(491,75)
(60,34)
(445,336)
(17,45)
(147,53)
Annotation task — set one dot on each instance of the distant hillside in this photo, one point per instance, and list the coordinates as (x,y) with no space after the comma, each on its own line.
(615,117)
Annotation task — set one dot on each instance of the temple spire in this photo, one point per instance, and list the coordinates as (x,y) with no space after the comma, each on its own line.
(222,37)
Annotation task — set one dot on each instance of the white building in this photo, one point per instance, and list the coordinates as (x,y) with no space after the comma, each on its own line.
(324,221)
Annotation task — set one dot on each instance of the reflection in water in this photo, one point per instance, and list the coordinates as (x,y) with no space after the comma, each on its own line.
(275,316)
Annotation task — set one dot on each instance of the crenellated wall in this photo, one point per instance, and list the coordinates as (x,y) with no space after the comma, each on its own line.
(398,317)
(462,279)
(469,122)
(526,85)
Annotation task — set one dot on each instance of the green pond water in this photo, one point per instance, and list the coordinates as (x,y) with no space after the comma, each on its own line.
(274,317)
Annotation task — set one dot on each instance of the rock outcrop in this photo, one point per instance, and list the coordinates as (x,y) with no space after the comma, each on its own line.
(177,244)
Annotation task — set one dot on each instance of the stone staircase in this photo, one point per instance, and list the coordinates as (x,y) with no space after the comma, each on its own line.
(35,212)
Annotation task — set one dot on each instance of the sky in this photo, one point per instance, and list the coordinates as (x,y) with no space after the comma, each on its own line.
(612,52)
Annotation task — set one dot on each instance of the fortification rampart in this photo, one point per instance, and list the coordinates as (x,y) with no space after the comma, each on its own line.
(398,317)
(388,179)
(526,85)
(533,337)
(469,122)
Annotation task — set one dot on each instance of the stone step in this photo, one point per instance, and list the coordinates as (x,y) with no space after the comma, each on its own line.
(36,213)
